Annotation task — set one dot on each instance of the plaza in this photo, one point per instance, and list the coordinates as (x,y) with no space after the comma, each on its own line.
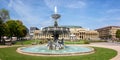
(59,30)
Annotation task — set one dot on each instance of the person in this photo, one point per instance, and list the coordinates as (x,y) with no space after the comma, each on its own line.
(62,42)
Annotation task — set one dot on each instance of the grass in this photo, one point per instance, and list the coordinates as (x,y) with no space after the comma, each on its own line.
(100,54)
(72,42)
(77,42)
(27,42)
(98,41)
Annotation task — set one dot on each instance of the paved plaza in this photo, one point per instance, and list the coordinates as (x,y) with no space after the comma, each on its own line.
(115,46)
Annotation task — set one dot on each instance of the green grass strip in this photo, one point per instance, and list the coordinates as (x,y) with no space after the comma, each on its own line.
(100,54)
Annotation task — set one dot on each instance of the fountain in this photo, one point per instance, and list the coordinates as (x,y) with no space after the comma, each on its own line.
(56,46)
(55,31)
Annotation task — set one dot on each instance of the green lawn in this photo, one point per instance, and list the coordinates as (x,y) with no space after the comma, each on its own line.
(100,54)
(26,42)
(37,41)
(74,42)
(77,42)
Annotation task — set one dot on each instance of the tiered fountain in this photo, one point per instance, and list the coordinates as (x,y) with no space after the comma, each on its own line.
(56,30)
(56,46)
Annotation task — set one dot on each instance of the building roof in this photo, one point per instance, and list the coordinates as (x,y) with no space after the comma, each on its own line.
(34,28)
(108,27)
(71,26)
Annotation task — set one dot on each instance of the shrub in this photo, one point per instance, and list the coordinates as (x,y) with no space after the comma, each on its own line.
(86,42)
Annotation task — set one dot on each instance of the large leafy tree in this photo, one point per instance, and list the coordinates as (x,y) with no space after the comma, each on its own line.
(21,30)
(1,29)
(118,34)
(16,28)
(4,16)
(11,28)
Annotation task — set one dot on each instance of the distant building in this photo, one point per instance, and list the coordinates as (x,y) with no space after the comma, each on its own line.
(108,32)
(82,33)
(32,30)
(76,32)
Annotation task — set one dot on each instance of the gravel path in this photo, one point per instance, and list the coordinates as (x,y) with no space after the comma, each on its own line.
(115,46)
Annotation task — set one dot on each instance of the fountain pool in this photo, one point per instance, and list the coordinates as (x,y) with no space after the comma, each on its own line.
(42,50)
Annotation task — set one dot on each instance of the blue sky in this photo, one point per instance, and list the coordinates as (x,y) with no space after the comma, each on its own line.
(91,14)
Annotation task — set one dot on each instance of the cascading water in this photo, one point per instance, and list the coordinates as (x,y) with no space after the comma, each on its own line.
(56,30)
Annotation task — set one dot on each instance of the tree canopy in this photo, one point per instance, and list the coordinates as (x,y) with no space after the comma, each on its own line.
(10,28)
(4,15)
(118,33)
(16,28)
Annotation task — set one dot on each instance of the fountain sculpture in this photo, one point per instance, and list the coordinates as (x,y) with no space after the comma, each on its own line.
(56,30)
(56,46)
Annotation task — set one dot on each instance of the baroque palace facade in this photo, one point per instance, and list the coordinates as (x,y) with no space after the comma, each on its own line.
(76,32)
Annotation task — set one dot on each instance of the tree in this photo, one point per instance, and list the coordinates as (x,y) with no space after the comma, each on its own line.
(16,28)
(1,20)
(4,15)
(2,31)
(118,34)
(109,36)
(11,28)
(21,30)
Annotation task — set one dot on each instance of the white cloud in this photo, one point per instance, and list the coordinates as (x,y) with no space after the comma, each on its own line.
(110,15)
(21,9)
(113,10)
(26,13)
(79,4)
(52,3)
(10,3)
(65,3)
(108,19)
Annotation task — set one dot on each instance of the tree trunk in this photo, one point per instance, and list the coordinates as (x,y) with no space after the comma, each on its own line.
(0,39)
(10,39)
(3,41)
(17,38)
(21,40)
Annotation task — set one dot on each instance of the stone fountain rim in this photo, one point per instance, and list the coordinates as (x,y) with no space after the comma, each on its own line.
(50,54)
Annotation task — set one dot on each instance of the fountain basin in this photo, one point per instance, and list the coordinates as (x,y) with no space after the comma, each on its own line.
(42,50)
(59,30)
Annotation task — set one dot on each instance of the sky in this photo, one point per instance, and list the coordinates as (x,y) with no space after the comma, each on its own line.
(90,14)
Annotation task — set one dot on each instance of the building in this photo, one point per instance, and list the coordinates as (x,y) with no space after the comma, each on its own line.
(32,30)
(108,32)
(76,32)
(82,33)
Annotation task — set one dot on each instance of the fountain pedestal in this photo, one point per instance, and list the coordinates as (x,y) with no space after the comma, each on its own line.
(56,44)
